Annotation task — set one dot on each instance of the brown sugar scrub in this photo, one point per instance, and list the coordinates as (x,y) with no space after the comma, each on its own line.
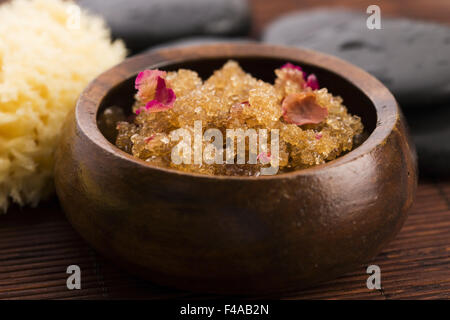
(311,126)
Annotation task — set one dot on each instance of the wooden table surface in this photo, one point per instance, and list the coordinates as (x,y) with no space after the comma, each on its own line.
(37,245)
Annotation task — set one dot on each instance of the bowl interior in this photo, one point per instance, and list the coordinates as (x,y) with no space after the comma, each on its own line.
(263,68)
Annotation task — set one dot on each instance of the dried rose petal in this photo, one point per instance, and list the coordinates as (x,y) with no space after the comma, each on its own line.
(291,73)
(264,157)
(146,83)
(156,106)
(163,94)
(147,140)
(312,82)
(289,65)
(294,67)
(295,77)
(302,108)
(164,98)
(307,81)
(238,106)
(148,76)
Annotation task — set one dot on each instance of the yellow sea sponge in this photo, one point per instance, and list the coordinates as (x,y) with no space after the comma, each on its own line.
(49,51)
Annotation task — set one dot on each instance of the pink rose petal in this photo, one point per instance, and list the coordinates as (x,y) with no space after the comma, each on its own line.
(302,108)
(294,67)
(146,83)
(289,65)
(164,98)
(163,94)
(312,82)
(147,140)
(264,157)
(156,106)
(292,73)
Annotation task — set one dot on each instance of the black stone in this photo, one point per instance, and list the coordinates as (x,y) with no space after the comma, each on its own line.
(430,129)
(142,23)
(411,58)
(192,41)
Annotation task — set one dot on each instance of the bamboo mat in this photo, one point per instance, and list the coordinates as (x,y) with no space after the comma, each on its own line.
(37,245)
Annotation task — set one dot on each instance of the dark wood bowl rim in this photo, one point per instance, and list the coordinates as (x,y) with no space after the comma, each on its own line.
(384,102)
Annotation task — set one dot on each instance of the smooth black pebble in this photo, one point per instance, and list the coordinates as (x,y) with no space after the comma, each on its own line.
(193,41)
(430,130)
(412,58)
(142,23)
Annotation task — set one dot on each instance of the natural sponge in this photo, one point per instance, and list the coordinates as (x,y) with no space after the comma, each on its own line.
(45,62)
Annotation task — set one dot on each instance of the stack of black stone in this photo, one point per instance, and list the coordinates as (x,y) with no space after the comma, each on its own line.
(411,58)
(146,23)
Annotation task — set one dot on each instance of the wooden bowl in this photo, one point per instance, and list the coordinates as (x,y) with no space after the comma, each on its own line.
(239,235)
